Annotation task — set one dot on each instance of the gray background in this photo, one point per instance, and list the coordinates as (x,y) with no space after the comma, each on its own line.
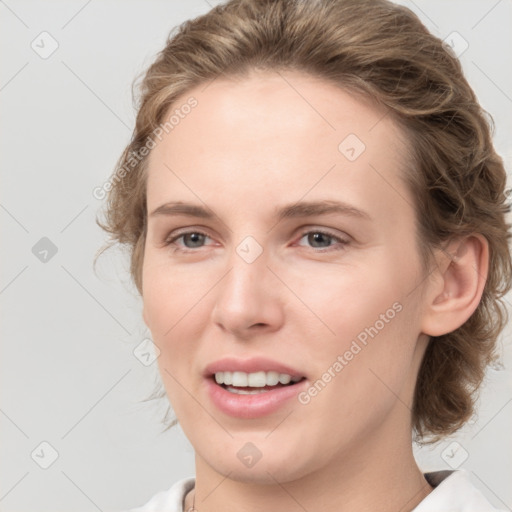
(69,376)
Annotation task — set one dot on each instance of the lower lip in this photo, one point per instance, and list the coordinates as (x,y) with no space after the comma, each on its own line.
(251,406)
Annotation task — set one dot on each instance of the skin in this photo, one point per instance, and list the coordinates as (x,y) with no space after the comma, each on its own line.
(251,146)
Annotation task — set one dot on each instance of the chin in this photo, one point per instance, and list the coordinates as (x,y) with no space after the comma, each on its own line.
(275,466)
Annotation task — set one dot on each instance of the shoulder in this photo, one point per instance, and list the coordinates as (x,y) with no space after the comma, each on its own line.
(170,500)
(454,492)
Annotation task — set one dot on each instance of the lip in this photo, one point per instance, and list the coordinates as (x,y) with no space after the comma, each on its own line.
(251,406)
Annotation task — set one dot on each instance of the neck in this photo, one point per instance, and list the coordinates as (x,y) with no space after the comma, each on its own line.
(381,474)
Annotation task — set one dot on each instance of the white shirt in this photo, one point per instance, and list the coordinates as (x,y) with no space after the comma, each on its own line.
(453,492)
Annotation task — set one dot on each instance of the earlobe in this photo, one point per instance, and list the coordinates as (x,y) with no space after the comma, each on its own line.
(457,286)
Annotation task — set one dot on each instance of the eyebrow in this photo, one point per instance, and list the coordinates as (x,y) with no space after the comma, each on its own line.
(300,209)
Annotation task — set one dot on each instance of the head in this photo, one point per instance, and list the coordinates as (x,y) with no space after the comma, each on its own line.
(390,305)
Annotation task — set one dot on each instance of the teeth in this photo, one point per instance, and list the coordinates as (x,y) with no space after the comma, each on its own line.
(254,380)
(284,378)
(272,378)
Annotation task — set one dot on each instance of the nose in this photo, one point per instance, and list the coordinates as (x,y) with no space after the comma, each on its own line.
(248,300)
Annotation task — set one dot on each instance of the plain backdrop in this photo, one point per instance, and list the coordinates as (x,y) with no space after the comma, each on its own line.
(75,435)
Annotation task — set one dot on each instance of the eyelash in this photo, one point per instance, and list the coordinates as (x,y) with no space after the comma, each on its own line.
(342,242)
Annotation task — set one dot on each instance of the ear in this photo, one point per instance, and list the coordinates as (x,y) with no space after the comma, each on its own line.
(456,285)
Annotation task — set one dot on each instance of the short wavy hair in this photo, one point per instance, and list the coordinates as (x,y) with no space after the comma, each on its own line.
(383,51)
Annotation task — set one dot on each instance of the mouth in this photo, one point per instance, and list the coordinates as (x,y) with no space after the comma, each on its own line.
(255,393)
(242,383)
(252,387)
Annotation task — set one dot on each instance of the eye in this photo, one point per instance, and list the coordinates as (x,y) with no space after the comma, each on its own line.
(317,239)
(323,240)
(191,239)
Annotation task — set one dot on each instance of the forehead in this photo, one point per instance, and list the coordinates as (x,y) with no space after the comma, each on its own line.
(277,132)
(289,104)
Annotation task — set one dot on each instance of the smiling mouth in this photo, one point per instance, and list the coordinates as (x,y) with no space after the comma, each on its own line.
(242,383)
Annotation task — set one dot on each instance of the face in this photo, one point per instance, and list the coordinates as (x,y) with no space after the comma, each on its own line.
(281,245)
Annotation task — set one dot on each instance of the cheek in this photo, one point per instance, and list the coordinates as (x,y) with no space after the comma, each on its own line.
(346,303)
(373,326)
(177,308)
(168,302)
(170,296)
(372,364)
(370,380)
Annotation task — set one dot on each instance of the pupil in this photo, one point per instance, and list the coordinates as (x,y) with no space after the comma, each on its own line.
(195,238)
(317,237)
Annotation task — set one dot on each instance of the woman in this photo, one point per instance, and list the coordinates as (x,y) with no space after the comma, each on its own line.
(315,214)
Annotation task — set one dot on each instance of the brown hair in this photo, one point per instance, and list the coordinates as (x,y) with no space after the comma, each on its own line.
(383,51)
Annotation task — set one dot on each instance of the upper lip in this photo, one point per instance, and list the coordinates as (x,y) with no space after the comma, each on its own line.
(250,365)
